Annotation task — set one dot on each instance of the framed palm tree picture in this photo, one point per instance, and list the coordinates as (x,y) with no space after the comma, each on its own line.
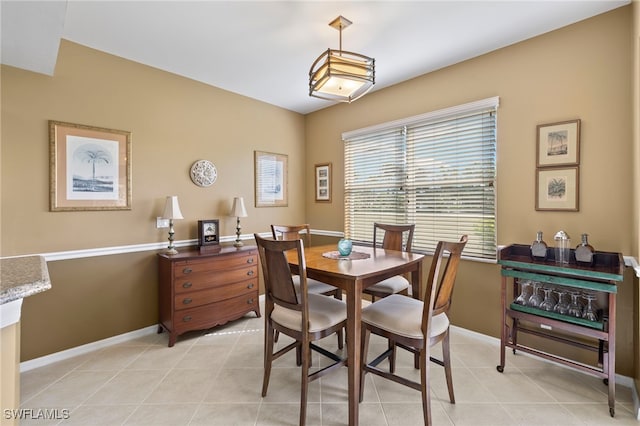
(558,189)
(90,167)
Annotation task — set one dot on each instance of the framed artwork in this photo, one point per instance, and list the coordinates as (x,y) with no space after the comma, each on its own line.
(90,168)
(270,179)
(558,144)
(209,234)
(323,183)
(557,189)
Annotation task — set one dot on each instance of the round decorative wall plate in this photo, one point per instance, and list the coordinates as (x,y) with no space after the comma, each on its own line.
(203,173)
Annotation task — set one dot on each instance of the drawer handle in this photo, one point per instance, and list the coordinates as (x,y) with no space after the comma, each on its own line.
(186,318)
(187,285)
(187,270)
(250,260)
(187,301)
(250,273)
(250,285)
(250,302)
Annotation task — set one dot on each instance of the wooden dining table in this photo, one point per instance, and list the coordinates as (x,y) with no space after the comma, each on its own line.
(352,275)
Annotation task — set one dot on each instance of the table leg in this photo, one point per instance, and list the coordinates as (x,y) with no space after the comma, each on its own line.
(416,279)
(354,310)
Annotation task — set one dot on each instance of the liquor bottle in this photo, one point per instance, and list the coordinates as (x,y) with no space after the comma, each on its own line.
(585,252)
(539,247)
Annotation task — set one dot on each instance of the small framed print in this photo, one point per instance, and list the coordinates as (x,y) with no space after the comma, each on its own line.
(558,144)
(323,183)
(558,189)
(209,235)
(271,179)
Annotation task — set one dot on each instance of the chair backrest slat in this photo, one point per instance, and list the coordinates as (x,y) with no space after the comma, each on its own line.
(292,232)
(277,273)
(442,277)
(393,238)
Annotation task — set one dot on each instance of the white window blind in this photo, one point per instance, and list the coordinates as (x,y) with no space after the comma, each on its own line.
(436,170)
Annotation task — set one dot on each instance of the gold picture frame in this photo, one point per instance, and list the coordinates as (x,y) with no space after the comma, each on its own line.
(323,182)
(271,179)
(90,168)
(558,144)
(558,189)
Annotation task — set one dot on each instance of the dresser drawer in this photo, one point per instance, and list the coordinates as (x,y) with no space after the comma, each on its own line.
(215,313)
(204,280)
(198,298)
(188,268)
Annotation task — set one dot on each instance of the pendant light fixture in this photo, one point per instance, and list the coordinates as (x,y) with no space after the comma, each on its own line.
(338,75)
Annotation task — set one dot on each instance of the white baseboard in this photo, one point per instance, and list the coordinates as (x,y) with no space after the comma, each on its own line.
(89,347)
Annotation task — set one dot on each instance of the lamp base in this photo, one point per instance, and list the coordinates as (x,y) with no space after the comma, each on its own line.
(238,243)
(171,251)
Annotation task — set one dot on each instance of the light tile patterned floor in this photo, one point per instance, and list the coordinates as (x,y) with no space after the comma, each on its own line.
(215,378)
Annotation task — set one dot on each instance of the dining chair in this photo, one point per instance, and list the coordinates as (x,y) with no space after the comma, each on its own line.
(294,232)
(416,326)
(305,317)
(393,239)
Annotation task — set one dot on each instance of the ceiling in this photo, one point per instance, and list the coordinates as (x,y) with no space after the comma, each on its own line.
(263,49)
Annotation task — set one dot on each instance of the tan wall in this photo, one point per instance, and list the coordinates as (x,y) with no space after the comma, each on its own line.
(174,122)
(582,71)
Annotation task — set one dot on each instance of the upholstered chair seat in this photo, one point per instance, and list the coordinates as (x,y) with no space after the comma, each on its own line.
(324,312)
(399,238)
(402,315)
(397,284)
(315,286)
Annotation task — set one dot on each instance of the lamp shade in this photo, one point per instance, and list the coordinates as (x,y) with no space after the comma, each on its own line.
(341,76)
(238,209)
(172,208)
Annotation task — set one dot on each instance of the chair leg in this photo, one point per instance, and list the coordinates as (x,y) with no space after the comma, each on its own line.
(268,357)
(392,357)
(424,385)
(446,359)
(364,349)
(338,295)
(306,349)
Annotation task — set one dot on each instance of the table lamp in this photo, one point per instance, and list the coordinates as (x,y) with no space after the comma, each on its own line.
(172,211)
(238,211)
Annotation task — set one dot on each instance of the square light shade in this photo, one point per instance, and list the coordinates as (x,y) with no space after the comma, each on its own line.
(172,208)
(342,76)
(238,209)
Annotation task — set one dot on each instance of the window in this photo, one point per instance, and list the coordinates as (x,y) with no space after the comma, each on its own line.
(436,170)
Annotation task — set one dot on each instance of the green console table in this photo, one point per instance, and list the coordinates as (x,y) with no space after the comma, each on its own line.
(600,280)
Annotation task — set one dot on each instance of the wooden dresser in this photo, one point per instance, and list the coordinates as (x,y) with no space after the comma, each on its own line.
(199,291)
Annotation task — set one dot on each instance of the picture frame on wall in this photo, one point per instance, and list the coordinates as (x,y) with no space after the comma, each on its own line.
(323,182)
(558,144)
(558,189)
(270,179)
(90,167)
(209,235)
